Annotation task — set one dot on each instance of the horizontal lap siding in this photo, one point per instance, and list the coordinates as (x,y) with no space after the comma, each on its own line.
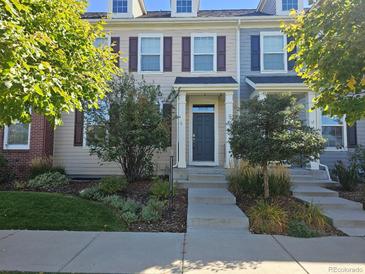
(77,161)
(245,52)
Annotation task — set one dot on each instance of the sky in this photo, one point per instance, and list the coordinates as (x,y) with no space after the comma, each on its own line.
(101,5)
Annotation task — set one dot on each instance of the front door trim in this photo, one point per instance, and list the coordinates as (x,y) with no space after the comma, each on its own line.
(203,100)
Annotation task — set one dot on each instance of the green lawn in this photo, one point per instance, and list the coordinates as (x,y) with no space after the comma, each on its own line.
(45,211)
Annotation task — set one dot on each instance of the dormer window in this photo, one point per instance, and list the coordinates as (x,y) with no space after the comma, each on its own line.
(184,6)
(290,4)
(120,6)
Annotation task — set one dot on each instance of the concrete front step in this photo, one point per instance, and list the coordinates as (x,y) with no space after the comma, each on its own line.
(330,202)
(209,178)
(216,217)
(211,196)
(313,191)
(350,218)
(323,183)
(187,184)
(353,231)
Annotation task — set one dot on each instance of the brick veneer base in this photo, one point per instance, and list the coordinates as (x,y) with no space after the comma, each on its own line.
(41,144)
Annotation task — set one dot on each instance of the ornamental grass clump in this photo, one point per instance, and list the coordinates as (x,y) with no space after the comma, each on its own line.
(161,189)
(42,165)
(312,216)
(113,184)
(268,218)
(245,179)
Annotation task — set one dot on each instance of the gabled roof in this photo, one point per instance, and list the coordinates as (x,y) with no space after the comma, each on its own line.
(201,14)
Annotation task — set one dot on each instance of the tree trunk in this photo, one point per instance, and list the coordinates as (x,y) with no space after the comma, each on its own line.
(266,182)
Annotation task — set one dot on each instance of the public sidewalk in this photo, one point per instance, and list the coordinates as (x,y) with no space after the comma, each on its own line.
(195,252)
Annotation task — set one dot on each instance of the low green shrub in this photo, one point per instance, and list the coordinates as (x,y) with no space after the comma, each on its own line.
(20,185)
(358,160)
(6,175)
(48,181)
(92,193)
(245,179)
(268,218)
(301,230)
(113,184)
(161,189)
(129,209)
(153,211)
(42,165)
(348,177)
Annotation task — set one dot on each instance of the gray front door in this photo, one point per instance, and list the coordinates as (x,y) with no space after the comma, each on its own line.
(203,133)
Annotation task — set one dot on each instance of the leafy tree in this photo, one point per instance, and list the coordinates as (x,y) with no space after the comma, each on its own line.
(270,130)
(330,39)
(128,127)
(48,63)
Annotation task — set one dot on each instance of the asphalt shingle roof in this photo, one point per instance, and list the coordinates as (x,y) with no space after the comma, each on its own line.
(204,80)
(275,79)
(201,14)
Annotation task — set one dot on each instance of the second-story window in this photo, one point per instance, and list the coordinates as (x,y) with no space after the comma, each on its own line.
(150,54)
(184,6)
(290,4)
(273,53)
(120,6)
(204,52)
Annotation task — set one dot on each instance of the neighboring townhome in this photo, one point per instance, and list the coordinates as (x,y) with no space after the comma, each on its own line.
(265,68)
(216,58)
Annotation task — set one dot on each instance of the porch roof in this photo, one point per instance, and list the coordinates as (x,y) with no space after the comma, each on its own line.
(204,80)
(275,79)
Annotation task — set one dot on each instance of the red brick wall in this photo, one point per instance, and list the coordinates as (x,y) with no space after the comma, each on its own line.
(41,144)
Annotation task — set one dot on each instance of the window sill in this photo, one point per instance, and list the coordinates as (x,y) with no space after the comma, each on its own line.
(150,72)
(274,71)
(18,148)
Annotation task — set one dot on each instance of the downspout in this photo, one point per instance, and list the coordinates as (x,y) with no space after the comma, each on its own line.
(177,134)
(238,62)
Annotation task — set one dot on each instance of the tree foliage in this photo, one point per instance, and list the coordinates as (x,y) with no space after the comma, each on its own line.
(331,55)
(128,127)
(270,130)
(48,63)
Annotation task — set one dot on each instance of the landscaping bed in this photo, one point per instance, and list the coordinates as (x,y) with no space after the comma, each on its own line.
(139,192)
(291,207)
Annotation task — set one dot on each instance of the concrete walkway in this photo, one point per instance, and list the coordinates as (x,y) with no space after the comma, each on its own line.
(346,215)
(194,252)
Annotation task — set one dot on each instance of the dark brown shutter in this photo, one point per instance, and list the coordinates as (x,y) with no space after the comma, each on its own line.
(167,114)
(167,54)
(255,53)
(116,48)
(221,53)
(291,63)
(352,136)
(186,54)
(79,129)
(133,54)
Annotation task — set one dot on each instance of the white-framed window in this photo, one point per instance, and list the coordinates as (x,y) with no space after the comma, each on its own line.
(150,53)
(334,130)
(17,136)
(204,52)
(120,6)
(184,6)
(273,54)
(289,5)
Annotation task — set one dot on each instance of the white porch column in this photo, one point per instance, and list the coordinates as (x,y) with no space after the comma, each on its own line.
(181,123)
(229,115)
(313,122)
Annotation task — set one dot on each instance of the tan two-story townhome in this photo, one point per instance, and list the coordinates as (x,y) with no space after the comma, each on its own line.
(215,58)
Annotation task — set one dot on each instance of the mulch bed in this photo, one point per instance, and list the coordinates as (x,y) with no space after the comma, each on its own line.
(289,204)
(173,221)
(356,195)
